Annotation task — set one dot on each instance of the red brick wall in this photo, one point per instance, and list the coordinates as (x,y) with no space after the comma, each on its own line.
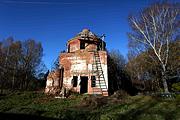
(75,46)
(67,60)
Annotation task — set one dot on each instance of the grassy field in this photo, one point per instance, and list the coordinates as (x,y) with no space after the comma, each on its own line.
(37,106)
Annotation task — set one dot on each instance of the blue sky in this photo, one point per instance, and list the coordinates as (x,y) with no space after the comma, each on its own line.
(53,22)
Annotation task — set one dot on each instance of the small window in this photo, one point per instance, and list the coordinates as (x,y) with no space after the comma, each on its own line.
(93,81)
(74,81)
(98,47)
(82,45)
(68,48)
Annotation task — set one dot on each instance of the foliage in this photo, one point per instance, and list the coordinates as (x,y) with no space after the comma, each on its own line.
(146,72)
(117,75)
(20,63)
(176,87)
(154,29)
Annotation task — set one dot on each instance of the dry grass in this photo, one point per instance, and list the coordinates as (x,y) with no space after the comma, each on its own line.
(34,105)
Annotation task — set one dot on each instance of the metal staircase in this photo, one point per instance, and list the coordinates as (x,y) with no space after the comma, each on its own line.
(100,83)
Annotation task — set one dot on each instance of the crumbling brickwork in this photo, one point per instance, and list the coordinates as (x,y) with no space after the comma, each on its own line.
(84,66)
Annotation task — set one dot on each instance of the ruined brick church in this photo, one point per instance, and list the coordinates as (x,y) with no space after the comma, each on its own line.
(83,67)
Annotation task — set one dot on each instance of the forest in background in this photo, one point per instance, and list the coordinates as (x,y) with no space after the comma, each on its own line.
(145,85)
(152,64)
(21,65)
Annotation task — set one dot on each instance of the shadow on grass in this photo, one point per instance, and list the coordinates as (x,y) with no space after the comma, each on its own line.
(12,116)
(146,109)
(102,110)
(133,114)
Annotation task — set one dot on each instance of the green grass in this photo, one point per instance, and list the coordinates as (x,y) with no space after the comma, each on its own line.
(82,107)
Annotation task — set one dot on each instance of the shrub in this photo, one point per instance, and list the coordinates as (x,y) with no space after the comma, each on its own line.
(120,94)
(176,87)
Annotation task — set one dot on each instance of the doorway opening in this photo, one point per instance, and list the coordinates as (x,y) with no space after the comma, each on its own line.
(84,84)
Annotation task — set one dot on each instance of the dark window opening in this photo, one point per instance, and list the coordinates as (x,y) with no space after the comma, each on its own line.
(82,45)
(84,84)
(93,81)
(68,48)
(98,47)
(74,81)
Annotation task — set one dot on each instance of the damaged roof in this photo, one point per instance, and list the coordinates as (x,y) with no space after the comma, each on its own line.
(86,34)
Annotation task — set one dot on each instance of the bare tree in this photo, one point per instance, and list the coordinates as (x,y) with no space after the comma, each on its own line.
(154,28)
(116,71)
(20,62)
(55,65)
(32,53)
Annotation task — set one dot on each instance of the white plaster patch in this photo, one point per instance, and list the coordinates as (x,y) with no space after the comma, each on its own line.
(73,58)
(89,67)
(104,67)
(78,65)
(49,82)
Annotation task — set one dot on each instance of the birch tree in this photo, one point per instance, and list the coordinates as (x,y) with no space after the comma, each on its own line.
(154,28)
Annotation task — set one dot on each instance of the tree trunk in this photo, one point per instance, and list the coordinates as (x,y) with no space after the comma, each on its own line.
(164,80)
(13,80)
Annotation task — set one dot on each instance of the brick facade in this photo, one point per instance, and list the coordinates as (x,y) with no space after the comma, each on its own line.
(77,63)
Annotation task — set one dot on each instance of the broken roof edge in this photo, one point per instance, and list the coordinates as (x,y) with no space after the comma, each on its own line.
(86,33)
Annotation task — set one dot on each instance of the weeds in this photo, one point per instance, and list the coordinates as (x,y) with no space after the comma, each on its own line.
(90,107)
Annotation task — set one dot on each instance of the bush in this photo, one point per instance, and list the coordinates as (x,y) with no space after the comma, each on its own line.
(120,94)
(176,87)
